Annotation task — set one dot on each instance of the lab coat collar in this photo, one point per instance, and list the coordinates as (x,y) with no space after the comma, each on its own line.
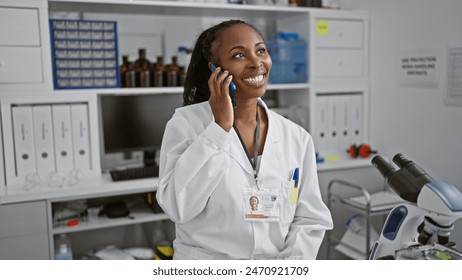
(237,151)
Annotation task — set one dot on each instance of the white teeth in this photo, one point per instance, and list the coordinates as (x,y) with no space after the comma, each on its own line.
(254,80)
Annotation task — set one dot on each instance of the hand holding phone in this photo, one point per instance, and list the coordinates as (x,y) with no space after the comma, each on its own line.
(232,88)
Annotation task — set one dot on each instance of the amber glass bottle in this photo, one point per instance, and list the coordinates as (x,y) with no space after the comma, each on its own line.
(123,69)
(130,76)
(143,69)
(160,73)
(173,73)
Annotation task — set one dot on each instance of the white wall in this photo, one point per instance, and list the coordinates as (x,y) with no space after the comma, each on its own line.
(414,121)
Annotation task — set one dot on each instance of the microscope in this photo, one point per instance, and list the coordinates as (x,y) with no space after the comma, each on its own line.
(420,227)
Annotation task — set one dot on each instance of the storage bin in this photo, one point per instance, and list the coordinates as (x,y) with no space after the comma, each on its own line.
(289,54)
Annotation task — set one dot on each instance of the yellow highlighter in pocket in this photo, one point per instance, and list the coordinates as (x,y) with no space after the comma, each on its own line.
(294,189)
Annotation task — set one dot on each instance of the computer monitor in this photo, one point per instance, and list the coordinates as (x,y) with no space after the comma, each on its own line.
(132,127)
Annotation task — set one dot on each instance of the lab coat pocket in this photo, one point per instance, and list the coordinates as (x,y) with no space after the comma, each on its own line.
(288,204)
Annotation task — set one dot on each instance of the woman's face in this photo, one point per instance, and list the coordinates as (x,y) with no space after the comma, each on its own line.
(242,52)
(253,203)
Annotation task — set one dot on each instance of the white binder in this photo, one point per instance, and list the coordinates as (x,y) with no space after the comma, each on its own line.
(80,136)
(44,144)
(63,137)
(334,126)
(322,124)
(23,133)
(356,128)
(344,123)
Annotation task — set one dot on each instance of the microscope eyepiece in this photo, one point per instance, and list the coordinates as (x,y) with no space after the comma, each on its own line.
(400,160)
(385,168)
(407,181)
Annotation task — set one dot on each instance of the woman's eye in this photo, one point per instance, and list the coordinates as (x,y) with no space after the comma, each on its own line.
(238,55)
(262,50)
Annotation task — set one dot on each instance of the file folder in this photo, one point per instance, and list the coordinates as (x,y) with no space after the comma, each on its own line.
(24,146)
(80,136)
(333,119)
(63,137)
(344,122)
(356,132)
(44,144)
(322,124)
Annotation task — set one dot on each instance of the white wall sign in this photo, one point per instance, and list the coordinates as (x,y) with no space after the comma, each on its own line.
(419,68)
(454,76)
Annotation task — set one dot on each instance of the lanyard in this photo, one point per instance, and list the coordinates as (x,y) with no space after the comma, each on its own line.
(255,148)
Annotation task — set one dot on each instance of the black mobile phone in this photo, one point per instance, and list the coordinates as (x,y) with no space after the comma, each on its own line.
(232,89)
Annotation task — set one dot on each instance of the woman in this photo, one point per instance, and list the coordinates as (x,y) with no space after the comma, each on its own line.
(253,201)
(215,157)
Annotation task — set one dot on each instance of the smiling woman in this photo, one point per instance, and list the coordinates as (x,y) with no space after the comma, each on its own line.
(216,158)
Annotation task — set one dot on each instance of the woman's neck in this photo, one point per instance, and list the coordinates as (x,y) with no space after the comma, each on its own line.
(246,112)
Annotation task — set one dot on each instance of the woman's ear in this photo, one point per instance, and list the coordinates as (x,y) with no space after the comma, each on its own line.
(210,64)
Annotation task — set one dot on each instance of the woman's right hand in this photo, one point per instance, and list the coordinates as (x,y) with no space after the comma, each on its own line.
(220,102)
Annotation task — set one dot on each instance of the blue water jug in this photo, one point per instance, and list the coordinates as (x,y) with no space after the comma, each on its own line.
(289,54)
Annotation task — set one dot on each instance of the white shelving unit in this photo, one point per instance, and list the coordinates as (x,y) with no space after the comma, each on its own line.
(331,71)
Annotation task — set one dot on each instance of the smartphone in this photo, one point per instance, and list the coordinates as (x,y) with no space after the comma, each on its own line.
(232,89)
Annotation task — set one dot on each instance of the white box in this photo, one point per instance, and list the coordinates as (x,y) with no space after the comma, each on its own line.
(44,144)
(62,131)
(80,136)
(23,133)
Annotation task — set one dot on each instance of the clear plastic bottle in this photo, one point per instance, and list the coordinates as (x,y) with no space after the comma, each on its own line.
(184,57)
(63,247)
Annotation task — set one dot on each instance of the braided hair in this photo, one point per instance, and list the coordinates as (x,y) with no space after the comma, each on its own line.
(196,87)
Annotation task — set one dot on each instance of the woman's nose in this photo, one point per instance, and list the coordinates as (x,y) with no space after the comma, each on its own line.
(255,61)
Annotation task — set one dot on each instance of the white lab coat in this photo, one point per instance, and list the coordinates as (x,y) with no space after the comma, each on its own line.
(203,171)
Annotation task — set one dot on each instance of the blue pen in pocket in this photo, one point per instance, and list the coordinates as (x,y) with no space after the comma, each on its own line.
(232,89)
(295,178)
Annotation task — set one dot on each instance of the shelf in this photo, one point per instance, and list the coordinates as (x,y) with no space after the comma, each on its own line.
(357,242)
(140,214)
(344,164)
(288,86)
(125,91)
(380,202)
(97,186)
(175,8)
(166,90)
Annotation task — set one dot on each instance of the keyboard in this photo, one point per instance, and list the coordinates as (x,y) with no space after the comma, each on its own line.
(134,173)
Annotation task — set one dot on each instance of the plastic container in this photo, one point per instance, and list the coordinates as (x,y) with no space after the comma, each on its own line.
(93,214)
(63,247)
(184,57)
(289,54)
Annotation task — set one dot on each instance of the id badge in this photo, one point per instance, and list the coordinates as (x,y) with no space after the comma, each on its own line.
(262,205)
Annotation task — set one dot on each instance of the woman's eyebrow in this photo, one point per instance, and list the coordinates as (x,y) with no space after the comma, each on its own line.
(242,47)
